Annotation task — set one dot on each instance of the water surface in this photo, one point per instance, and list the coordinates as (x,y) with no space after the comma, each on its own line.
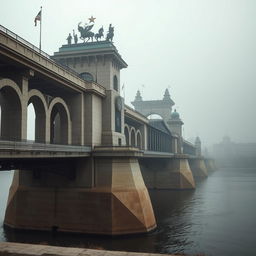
(218,218)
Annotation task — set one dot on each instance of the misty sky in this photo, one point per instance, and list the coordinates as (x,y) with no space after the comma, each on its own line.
(204,51)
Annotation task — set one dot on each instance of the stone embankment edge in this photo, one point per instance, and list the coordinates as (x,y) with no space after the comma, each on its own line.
(20,249)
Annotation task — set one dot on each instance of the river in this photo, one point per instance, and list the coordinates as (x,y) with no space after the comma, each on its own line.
(218,218)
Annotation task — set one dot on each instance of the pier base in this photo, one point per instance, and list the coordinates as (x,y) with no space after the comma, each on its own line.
(171,173)
(198,168)
(210,165)
(111,199)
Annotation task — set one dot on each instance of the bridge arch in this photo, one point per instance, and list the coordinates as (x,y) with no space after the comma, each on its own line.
(138,139)
(40,106)
(133,137)
(162,107)
(154,115)
(59,122)
(127,134)
(11,110)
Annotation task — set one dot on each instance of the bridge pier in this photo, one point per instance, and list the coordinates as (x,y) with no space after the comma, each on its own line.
(210,164)
(167,173)
(198,167)
(104,194)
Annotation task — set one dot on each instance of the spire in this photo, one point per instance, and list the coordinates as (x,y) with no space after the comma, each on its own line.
(138,96)
(197,141)
(167,95)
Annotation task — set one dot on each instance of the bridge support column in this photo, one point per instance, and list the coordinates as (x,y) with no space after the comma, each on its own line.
(210,164)
(172,173)
(198,168)
(104,194)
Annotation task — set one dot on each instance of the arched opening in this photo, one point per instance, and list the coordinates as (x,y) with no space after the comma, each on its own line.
(10,114)
(126,133)
(36,119)
(133,138)
(87,76)
(115,83)
(59,125)
(139,140)
(154,116)
(31,122)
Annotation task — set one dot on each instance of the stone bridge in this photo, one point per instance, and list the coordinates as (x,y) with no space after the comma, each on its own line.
(92,158)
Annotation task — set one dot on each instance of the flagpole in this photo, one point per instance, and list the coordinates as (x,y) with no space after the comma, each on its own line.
(124,92)
(40,31)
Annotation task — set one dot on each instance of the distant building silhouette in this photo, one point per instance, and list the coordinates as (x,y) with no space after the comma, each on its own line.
(229,153)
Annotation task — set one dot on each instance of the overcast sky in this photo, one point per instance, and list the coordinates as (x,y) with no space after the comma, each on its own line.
(204,51)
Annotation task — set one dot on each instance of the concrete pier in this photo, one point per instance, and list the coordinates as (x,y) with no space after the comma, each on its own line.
(210,164)
(198,167)
(104,195)
(172,173)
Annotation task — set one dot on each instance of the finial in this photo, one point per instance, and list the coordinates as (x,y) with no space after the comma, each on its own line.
(166,95)
(138,96)
(197,141)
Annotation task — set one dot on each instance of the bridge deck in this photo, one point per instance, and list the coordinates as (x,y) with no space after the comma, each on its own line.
(30,149)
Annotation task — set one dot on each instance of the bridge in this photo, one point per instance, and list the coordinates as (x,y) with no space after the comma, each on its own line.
(93,158)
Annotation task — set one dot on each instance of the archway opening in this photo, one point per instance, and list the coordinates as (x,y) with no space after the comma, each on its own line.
(31,122)
(139,140)
(59,125)
(155,117)
(126,133)
(133,138)
(36,121)
(115,83)
(10,114)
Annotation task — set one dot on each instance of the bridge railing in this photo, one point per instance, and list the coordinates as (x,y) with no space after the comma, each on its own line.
(36,49)
(189,148)
(28,145)
(159,141)
(20,39)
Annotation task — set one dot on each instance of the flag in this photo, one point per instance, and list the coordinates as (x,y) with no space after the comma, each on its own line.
(38,17)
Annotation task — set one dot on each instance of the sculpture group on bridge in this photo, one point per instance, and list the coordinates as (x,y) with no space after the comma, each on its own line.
(86,33)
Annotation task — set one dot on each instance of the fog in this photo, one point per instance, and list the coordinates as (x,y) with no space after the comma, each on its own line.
(202,50)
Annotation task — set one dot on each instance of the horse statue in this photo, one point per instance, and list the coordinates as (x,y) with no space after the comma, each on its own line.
(99,34)
(85,32)
(110,33)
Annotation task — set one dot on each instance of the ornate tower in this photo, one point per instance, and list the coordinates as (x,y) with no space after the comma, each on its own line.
(100,62)
(198,146)
(161,107)
(175,123)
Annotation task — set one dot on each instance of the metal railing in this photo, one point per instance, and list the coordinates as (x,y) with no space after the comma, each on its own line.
(36,49)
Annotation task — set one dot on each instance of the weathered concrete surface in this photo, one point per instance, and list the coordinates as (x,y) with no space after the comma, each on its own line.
(198,167)
(106,196)
(173,173)
(18,249)
(210,164)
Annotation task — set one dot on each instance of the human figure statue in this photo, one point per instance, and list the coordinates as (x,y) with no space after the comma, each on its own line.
(69,39)
(75,37)
(110,33)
